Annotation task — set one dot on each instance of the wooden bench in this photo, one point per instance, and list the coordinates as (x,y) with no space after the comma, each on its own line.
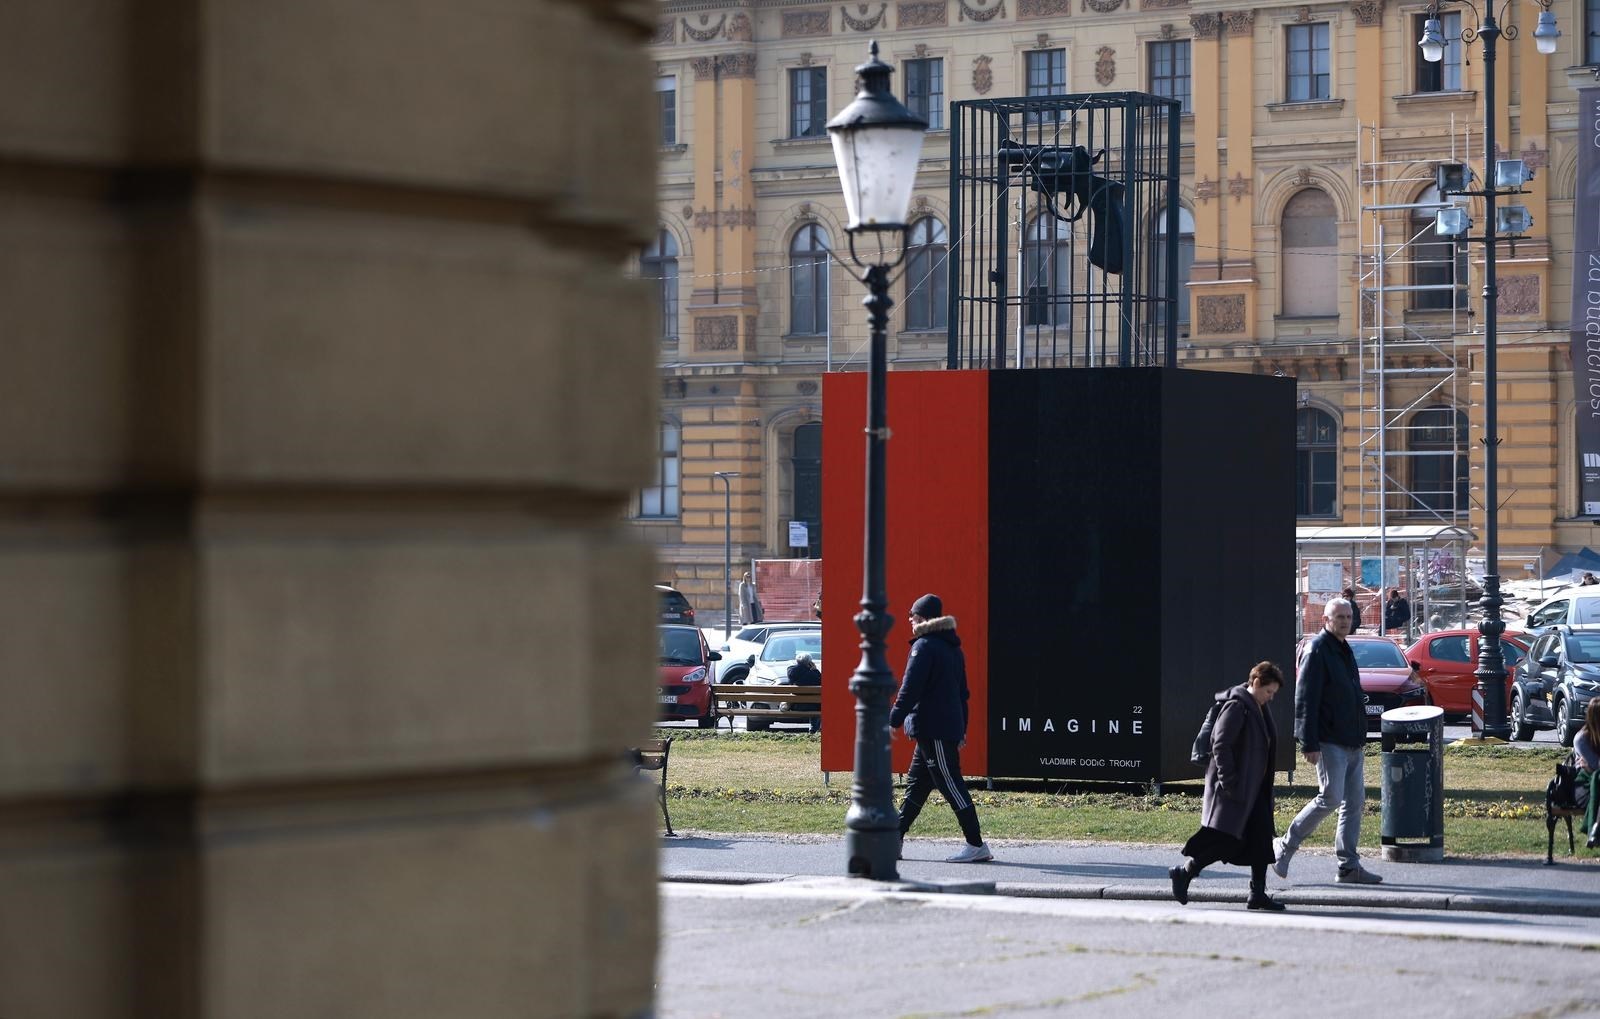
(1553,812)
(652,755)
(730,700)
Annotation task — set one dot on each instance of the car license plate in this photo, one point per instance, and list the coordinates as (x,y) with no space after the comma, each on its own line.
(1374,709)
(669,698)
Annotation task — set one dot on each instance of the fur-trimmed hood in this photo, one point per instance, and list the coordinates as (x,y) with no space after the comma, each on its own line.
(928,626)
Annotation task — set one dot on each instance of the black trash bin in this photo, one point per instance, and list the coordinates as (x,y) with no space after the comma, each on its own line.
(1413,784)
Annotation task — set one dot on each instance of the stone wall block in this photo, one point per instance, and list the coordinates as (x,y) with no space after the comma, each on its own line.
(462,96)
(340,657)
(98,80)
(600,155)
(615,666)
(621,919)
(364,347)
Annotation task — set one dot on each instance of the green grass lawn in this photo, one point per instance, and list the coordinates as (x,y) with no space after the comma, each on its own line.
(747,783)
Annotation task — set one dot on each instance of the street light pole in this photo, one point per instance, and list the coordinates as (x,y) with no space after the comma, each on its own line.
(727,549)
(877,143)
(1491,670)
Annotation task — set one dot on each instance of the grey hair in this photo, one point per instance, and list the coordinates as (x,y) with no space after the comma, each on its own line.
(1336,603)
(804,656)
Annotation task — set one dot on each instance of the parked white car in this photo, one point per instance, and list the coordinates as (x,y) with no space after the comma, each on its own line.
(738,650)
(1576,606)
(772,664)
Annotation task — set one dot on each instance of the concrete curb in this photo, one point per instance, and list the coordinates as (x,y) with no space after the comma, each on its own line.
(1361,898)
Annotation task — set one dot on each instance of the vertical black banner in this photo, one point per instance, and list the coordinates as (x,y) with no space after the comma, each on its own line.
(1586,299)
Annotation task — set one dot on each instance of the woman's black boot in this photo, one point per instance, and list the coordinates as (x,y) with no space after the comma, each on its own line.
(1181,876)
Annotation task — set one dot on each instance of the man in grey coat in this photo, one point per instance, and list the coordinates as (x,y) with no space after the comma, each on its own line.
(1330,721)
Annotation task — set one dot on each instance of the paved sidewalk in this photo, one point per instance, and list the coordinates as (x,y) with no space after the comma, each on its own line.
(1103,871)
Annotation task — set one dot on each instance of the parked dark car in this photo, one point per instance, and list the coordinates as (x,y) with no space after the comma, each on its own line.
(685,679)
(1387,679)
(1552,687)
(675,608)
(1448,659)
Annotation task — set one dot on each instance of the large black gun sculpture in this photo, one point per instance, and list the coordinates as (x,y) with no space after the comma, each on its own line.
(1057,171)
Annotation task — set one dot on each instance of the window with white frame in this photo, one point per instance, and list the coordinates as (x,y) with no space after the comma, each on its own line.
(1185,263)
(659,263)
(1316,463)
(661,499)
(1309,60)
(1444,76)
(1169,70)
(808,281)
(925,90)
(927,287)
(808,102)
(1047,271)
(667,107)
(1046,76)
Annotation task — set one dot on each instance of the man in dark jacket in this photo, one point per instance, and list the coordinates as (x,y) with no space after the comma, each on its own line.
(1396,611)
(1330,721)
(804,672)
(932,704)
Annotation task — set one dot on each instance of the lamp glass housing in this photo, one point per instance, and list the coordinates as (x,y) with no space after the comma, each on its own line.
(877,170)
(1451,222)
(1512,219)
(1432,41)
(1511,173)
(1546,34)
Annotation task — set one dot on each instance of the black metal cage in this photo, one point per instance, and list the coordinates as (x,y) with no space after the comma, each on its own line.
(1059,256)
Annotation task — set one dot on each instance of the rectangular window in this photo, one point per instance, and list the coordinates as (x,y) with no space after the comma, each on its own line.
(808,102)
(667,104)
(1169,71)
(925,90)
(1047,76)
(1308,63)
(1445,76)
(661,498)
(1591,31)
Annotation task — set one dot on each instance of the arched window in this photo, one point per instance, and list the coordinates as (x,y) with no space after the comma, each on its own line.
(660,263)
(927,293)
(1435,262)
(808,281)
(808,483)
(1316,463)
(661,498)
(1439,460)
(1046,272)
(1185,263)
(1310,255)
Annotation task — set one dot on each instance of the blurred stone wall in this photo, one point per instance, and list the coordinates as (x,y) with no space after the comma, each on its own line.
(321,399)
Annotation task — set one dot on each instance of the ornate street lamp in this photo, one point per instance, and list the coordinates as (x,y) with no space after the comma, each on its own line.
(877,143)
(1491,671)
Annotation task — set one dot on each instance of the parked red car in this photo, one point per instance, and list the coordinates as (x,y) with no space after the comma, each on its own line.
(1387,679)
(1447,659)
(686,675)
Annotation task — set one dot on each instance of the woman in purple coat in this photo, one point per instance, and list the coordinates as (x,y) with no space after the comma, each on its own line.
(1236,815)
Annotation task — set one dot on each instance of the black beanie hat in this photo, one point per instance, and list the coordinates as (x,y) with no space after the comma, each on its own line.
(928,607)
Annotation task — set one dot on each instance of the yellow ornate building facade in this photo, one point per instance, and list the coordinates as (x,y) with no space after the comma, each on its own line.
(1309,141)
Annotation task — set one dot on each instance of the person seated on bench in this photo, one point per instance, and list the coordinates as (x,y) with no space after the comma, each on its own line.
(1586,755)
(804,672)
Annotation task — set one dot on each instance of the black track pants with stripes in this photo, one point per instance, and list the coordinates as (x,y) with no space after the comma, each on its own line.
(936,764)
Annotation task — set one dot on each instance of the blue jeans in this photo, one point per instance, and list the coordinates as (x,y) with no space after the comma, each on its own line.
(1341,781)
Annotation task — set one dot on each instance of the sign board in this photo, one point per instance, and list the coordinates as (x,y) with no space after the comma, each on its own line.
(1370,576)
(1325,578)
(799,536)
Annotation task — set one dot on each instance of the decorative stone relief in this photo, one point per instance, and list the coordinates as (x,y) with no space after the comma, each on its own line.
(739,29)
(1223,313)
(973,12)
(864,23)
(705,68)
(749,332)
(922,14)
(720,332)
(1369,13)
(922,50)
(797,24)
(806,388)
(666,31)
(1302,176)
(1238,185)
(1105,68)
(1205,189)
(1041,41)
(737,65)
(688,212)
(704,34)
(705,219)
(1303,15)
(1043,8)
(804,60)
(1518,295)
(1205,25)
(1239,22)
(1168,32)
(733,217)
(1101,6)
(982,75)
(1535,157)
(1148,5)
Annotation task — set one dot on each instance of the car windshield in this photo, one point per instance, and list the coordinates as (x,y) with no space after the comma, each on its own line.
(1377,654)
(1583,647)
(786,646)
(751,633)
(680,647)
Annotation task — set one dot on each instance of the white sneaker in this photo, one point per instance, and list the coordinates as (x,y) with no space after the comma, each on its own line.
(1281,854)
(971,854)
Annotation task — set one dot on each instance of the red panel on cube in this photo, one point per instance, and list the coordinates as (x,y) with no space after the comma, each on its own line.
(937,528)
